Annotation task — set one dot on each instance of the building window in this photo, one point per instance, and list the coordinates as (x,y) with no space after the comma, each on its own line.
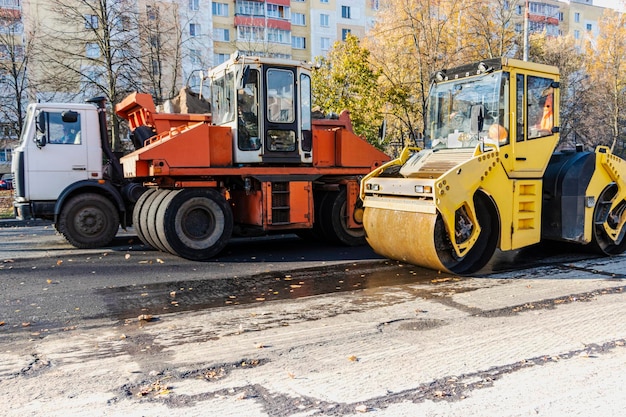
(324,20)
(250,8)
(577,34)
(561,16)
(324,1)
(92,50)
(195,56)
(220,9)
(374,4)
(589,27)
(298,42)
(194,5)
(518,10)
(221,35)
(91,21)
(250,33)
(577,17)
(298,19)
(278,35)
(5,155)
(152,12)
(325,44)
(345,12)
(299,1)
(194,29)
(277,11)
(219,58)
(156,67)
(344,34)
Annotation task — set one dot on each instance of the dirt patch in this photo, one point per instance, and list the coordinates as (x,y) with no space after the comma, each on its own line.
(6,204)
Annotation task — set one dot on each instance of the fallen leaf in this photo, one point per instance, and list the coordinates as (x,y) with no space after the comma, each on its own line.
(290,375)
(2,323)
(26,324)
(145,317)
(160,261)
(127,256)
(59,262)
(172,294)
(353,358)
(361,408)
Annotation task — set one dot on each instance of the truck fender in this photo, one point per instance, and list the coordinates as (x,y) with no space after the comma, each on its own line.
(103,188)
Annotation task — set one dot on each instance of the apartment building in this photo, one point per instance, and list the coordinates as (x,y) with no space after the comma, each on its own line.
(176,39)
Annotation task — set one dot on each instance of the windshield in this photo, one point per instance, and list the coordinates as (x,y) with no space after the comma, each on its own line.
(463,112)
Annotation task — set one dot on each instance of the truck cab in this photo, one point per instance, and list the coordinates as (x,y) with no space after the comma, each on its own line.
(267,105)
(60,145)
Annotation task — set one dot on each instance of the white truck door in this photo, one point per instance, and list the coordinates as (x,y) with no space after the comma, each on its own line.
(61,161)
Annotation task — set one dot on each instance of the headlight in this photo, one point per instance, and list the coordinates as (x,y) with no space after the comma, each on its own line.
(423,189)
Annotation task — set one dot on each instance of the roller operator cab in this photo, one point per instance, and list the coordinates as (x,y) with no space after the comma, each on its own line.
(488,178)
(267,104)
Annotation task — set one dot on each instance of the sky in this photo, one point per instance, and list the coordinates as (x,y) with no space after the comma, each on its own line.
(615,4)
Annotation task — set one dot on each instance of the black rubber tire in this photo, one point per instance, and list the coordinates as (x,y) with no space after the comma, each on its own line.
(144,219)
(315,233)
(89,221)
(482,251)
(601,242)
(136,212)
(160,221)
(152,220)
(197,223)
(333,220)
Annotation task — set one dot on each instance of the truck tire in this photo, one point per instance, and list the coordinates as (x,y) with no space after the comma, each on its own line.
(88,221)
(160,221)
(136,214)
(333,220)
(151,217)
(197,223)
(144,219)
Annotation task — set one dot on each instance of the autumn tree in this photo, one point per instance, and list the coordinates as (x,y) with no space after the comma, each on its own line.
(345,80)
(487,29)
(606,66)
(563,53)
(412,39)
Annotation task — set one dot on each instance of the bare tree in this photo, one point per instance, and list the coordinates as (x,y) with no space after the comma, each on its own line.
(15,51)
(160,33)
(90,50)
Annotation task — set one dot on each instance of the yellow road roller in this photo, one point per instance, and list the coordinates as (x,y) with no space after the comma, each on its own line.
(488,176)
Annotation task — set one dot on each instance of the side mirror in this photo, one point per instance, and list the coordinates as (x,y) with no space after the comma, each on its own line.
(69,116)
(40,140)
(41,122)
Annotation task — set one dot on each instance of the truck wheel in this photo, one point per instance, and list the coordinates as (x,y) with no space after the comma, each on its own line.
(152,220)
(334,220)
(315,233)
(160,221)
(136,214)
(197,223)
(144,219)
(89,221)
(612,241)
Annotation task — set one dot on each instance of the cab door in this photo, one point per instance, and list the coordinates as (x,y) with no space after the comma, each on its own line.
(281,132)
(536,131)
(59,159)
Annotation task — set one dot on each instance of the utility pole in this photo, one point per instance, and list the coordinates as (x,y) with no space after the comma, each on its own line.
(526,46)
